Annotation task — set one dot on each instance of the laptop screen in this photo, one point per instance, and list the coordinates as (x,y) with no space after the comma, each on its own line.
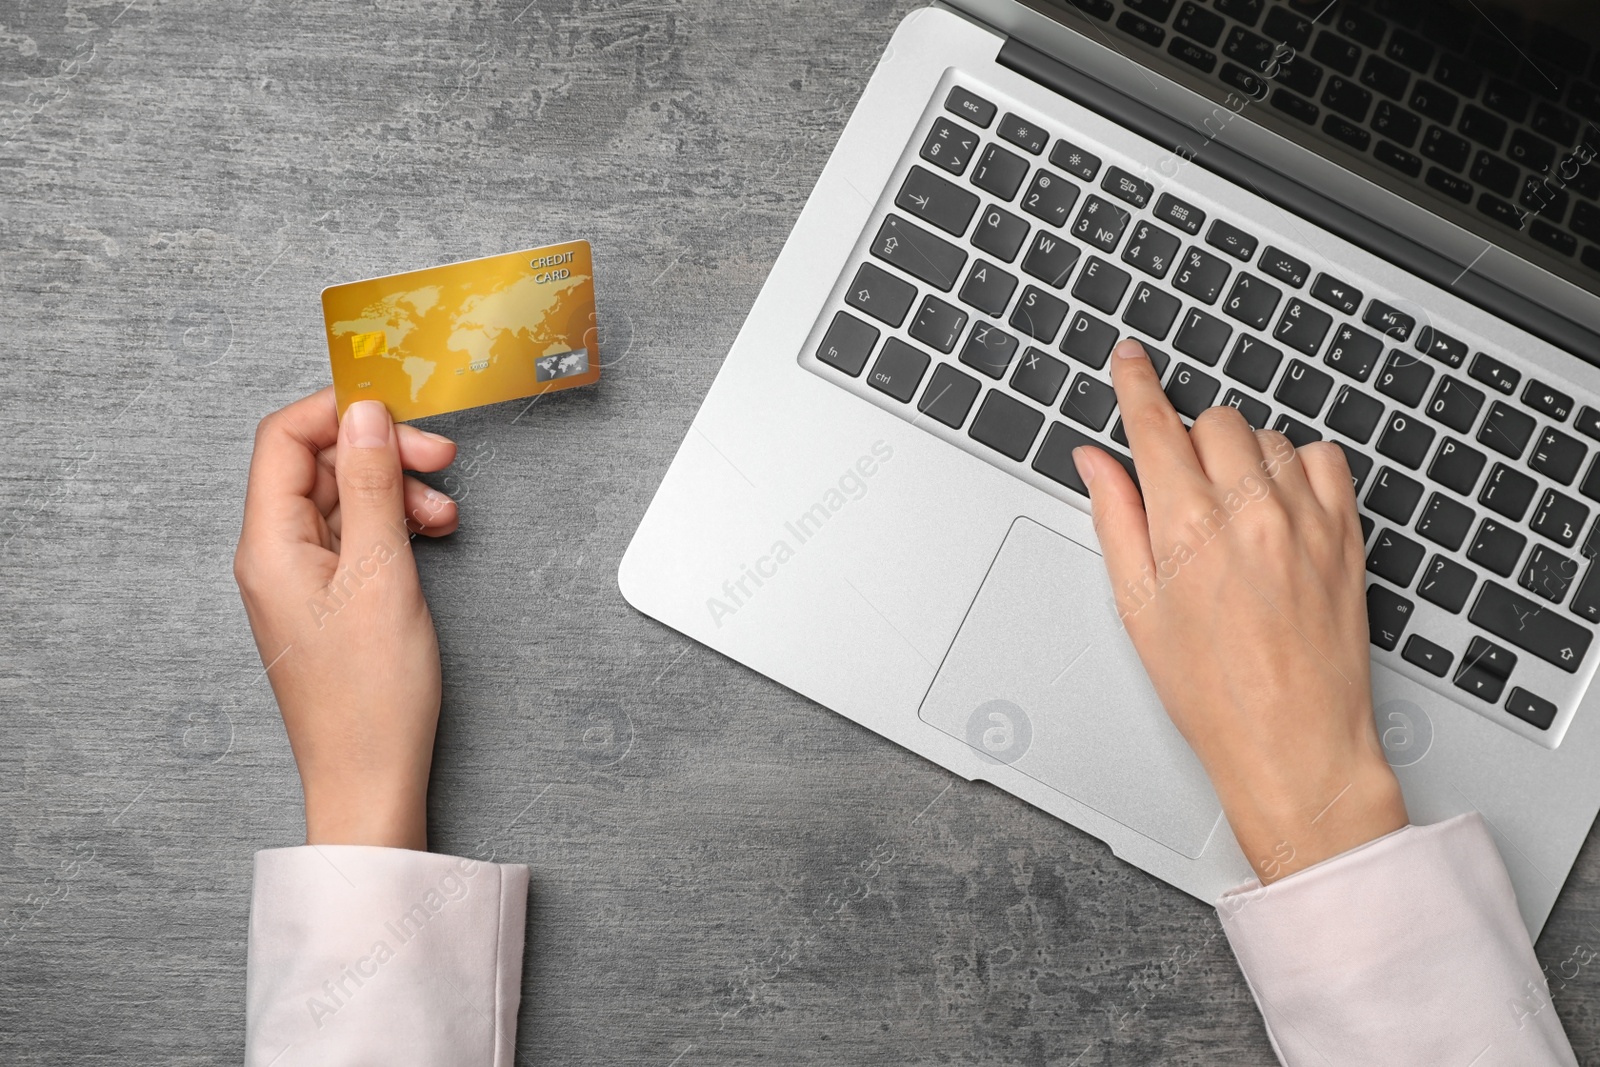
(1486,115)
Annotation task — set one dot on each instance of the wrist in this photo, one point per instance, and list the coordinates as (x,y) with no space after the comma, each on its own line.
(367,817)
(1287,829)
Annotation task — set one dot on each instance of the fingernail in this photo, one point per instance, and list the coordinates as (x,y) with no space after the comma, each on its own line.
(368,422)
(1081,460)
(1128,348)
(437,437)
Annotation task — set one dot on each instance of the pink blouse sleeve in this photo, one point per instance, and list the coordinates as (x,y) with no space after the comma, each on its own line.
(1408,950)
(382,955)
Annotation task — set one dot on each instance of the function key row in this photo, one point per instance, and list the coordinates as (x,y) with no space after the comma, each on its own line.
(951,147)
(1017,131)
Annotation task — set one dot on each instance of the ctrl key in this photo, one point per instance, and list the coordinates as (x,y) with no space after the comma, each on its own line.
(899,370)
(1387,615)
(847,344)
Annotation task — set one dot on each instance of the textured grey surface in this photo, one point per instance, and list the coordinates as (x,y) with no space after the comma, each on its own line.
(723,872)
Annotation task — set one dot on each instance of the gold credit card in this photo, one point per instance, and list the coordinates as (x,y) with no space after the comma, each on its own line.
(465,334)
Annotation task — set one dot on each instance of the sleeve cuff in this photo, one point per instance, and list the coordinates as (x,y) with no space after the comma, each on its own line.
(375,955)
(1407,950)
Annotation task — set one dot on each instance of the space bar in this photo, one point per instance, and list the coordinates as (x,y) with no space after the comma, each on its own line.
(1531,626)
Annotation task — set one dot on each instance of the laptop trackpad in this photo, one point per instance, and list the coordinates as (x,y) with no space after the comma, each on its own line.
(1042,676)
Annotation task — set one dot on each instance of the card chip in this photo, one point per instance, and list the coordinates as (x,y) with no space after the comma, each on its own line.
(363,345)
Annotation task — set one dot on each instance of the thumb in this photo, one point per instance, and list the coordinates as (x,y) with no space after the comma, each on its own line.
(1121,525)
(371,483)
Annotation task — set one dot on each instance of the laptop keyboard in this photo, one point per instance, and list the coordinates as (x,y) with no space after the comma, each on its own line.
(1430,95)
(1010,254)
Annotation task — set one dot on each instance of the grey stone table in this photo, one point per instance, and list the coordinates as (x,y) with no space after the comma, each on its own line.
(177,182)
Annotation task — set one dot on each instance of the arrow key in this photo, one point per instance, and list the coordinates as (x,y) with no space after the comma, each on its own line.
(1485,669)
(1421,652)
(1531,709)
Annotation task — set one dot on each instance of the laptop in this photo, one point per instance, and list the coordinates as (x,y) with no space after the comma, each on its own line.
(1371,223)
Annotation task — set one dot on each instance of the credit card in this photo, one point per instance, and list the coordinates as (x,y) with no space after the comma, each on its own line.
(465,334)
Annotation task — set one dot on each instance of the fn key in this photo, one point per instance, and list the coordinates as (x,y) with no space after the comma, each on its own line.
(847,344)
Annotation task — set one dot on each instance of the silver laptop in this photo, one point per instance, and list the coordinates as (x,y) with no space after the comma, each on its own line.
(1374,223)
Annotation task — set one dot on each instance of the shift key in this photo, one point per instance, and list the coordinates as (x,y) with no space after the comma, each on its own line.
(1531,626)
(919,253)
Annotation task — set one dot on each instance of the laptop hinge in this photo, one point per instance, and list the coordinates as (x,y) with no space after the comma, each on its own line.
(1289,194)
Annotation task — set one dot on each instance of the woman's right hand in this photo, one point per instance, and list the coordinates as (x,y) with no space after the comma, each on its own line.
(325,569)
(1239,576)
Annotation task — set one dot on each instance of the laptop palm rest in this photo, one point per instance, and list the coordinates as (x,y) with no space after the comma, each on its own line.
(1042,676)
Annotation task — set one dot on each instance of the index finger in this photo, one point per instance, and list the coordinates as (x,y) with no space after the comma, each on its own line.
(1161,450)
(283,468)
